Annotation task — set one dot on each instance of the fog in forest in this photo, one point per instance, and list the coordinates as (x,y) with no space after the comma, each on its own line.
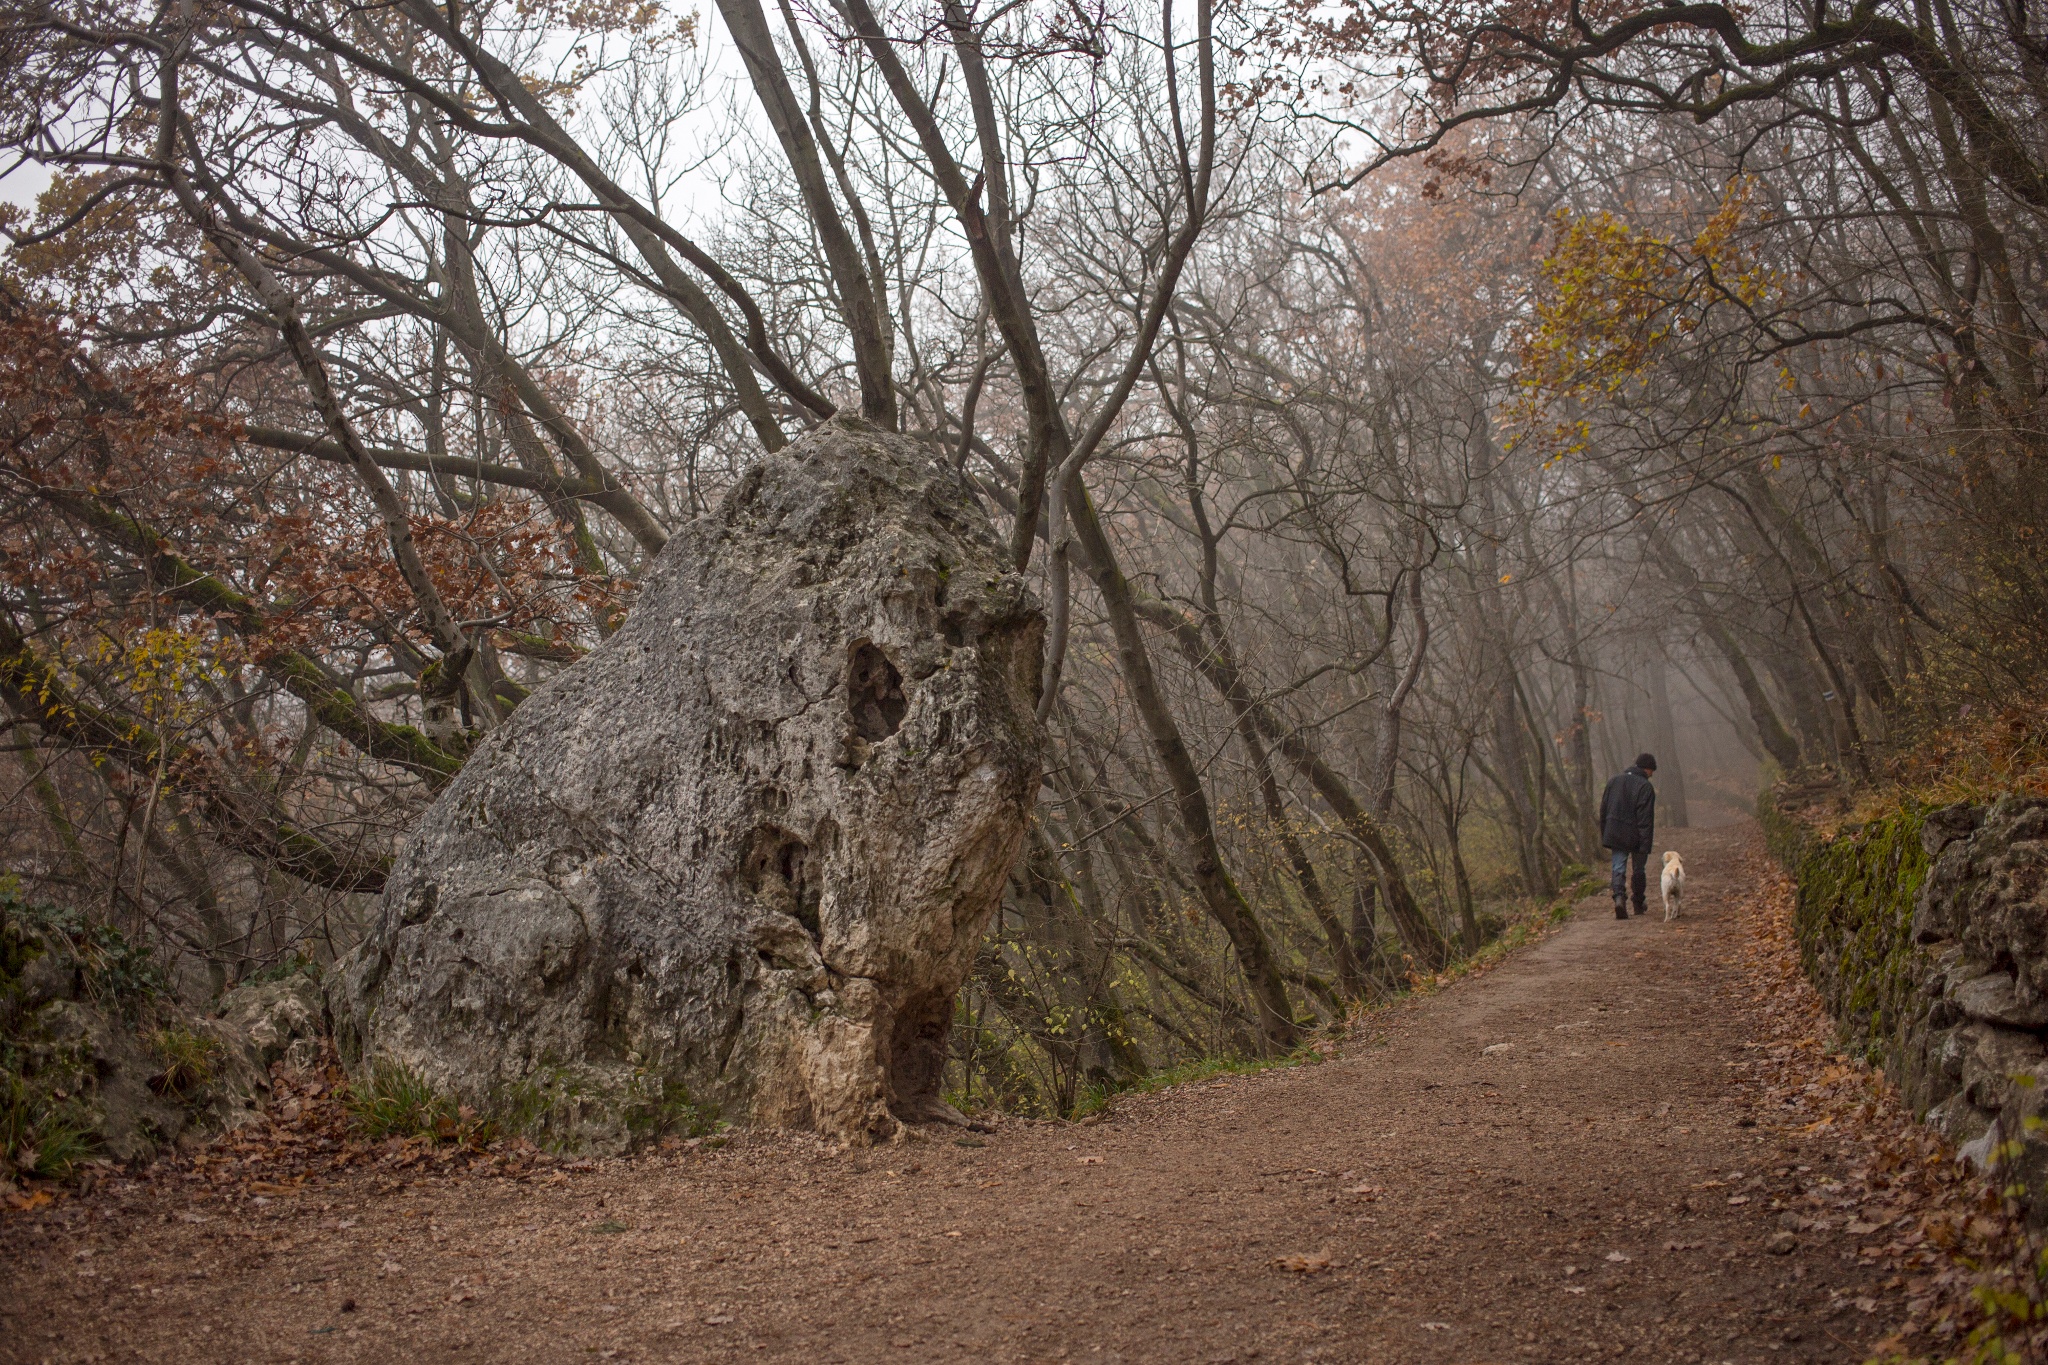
(1398,419)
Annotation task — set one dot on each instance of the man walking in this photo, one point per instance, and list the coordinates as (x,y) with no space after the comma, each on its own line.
(1628,827)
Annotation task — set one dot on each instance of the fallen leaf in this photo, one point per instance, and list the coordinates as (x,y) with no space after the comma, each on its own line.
(1436,1327)
(1088,1160)
(1619,1256)
(1304,1263)
(718,1320)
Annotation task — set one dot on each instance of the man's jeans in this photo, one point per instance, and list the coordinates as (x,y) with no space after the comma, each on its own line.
(1621,881)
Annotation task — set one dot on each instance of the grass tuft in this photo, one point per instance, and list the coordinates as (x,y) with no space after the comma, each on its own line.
(190,1059)
(394,1101)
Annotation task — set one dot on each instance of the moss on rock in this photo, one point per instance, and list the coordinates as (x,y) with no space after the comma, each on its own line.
(1854,925)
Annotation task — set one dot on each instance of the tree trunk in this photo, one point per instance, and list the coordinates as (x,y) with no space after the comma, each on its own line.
(1219,891)
(1671,807)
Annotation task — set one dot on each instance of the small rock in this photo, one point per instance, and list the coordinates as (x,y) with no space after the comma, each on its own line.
(1782,1244)
(1495,1049)
(1994,999)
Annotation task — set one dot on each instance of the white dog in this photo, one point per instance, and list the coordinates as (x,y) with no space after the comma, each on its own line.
(1672,883)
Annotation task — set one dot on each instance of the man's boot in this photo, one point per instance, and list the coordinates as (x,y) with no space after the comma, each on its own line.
(1620,907)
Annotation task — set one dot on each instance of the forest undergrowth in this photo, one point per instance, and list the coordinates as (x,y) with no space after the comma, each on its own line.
(321,1123)
(1521,926)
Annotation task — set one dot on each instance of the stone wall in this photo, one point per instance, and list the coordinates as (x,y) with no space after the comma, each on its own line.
(1927,934)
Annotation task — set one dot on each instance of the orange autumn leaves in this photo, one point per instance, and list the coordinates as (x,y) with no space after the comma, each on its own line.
(297,538)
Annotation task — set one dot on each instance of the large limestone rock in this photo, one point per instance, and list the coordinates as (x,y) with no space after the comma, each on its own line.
(741,854)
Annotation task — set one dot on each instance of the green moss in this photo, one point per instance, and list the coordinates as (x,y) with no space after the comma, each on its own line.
(545,1108)
(1854,920)
(539,1107)
(1785,835)
(665,1109)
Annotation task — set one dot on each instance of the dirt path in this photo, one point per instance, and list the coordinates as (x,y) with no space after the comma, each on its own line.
(1596,1187)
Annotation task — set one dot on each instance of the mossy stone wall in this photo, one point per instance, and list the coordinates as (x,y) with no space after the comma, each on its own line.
(1854,926)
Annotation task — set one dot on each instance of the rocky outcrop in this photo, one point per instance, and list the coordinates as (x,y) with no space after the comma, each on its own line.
(743,853)
(97,1060)
(1928,934)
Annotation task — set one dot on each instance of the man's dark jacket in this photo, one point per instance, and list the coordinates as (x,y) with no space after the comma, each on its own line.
(1628,813)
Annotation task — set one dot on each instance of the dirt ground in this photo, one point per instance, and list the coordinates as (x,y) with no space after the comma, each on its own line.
(1558,1160)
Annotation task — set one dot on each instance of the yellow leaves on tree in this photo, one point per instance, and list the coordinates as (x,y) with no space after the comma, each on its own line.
(1610,296)
(169,673)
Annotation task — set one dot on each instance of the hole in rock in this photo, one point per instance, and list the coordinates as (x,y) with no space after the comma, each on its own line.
(775,866)
(874,692)
(916,1054)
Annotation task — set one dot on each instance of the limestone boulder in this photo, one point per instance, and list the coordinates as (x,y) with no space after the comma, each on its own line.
(742,854)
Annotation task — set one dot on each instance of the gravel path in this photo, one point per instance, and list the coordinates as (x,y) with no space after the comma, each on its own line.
(1553,1161)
